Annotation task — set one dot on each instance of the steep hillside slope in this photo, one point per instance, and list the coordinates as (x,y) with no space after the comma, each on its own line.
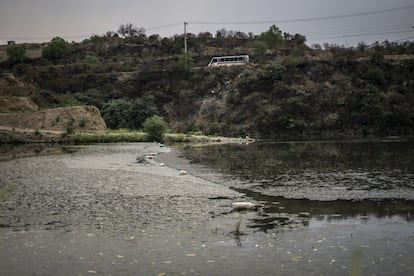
(287,90)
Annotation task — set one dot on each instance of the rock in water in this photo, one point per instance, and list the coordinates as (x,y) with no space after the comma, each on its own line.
(243,205)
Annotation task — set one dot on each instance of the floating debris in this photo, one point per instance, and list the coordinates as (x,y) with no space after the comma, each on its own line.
(296,258)
(183,172)
(243,205)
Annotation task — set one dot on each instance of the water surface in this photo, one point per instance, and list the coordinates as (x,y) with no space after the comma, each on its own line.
(353,201)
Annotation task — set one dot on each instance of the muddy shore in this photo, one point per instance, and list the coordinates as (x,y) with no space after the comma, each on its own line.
(100,183)
(109,210)
(60,206)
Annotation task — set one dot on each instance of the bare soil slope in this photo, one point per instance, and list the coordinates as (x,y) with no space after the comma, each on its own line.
(16,104)
(75,118)
(18,111)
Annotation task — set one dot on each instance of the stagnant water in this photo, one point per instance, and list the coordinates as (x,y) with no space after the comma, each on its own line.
(325,208)
(356,197)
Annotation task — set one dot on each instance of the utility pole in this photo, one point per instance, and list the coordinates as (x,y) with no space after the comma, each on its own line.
(185,44)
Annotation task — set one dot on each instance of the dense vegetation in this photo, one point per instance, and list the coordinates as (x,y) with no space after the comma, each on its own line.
(288,89)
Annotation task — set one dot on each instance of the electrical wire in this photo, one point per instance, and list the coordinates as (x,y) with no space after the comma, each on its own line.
(309,19)
(164,26)
(360,34)
(365,29)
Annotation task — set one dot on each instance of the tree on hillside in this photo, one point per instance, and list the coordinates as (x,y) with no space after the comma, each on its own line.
(141,109)
(58,48)
(298,39)
(129,30)
(16,54)
(116,113)
(272,37)
(185,62)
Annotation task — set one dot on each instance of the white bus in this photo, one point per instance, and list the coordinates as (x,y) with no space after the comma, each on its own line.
(229,60)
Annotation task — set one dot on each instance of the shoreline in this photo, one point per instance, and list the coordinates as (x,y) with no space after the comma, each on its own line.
(11,135)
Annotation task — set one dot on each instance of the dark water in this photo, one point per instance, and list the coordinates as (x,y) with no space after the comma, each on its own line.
(327,181)
(353,201)
(334,170)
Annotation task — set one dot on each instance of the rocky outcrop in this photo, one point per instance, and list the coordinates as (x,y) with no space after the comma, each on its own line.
(16,104)
(65,119)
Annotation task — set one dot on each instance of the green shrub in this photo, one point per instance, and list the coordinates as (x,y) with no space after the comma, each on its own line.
(58,48)
(91,59)
(155,127)
(375,75)
(16,54)
(67,100)
(82,123)
(69,127)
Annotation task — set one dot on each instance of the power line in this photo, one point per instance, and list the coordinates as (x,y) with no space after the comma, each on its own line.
(361,34)
(164,26)
(46,37)
(309,19)
(403,39)
(84,35)
(365,29)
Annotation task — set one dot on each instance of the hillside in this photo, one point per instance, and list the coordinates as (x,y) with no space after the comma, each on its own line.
(63,119)
(18,111)
(288,89)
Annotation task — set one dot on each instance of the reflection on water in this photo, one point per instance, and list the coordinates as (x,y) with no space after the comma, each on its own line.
(299,182)
(14,151)
(337,208)
(275,163)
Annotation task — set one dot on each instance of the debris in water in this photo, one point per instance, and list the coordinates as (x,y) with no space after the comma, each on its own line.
(183,172)
(296,258)
(243,205)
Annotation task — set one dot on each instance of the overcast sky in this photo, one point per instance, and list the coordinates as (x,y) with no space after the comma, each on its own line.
(40,20)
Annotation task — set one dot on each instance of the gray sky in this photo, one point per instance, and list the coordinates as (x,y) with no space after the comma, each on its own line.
(40,20)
